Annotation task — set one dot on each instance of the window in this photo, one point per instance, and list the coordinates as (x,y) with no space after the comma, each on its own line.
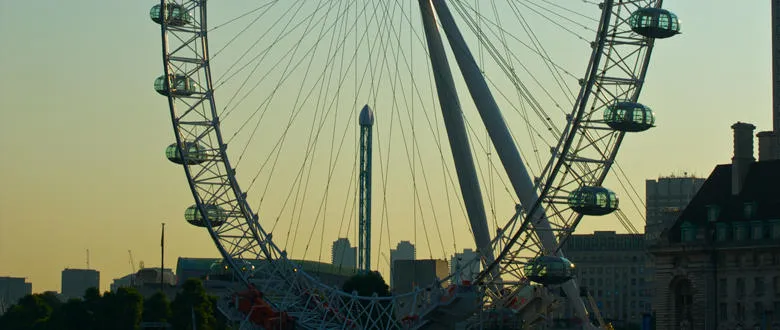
(776,314)
(740,287)
(776,286)
(713,211)
(747,259)
(723,311)
(756,230)
(740,312)
(758,310)
(775,226)
(722,231)
(687,232)
(758,286)
(739,231)
(723,287)
(749,210)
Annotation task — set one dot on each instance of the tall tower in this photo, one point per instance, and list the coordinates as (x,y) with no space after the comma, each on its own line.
(776,66)
(769,141)
(366,121)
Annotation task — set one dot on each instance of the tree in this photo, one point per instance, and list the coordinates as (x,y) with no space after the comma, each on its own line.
(366,284)
(157,308)
(121,310)
(31,312)
(73,315)
(192,302)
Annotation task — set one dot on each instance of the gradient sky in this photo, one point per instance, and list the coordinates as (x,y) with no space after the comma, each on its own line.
(83,132)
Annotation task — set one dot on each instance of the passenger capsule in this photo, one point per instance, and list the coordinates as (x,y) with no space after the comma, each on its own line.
(629,117)
(216,215)
(175,14)
(549,270)
(654,23)
(181,85)
(593,201)
(193,154)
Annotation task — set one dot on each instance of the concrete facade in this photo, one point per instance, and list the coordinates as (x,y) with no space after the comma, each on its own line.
(411,274)
(344,254)
(462,267)
(405,250)
(76,281)
(11,290)
(666,198)
(611,267)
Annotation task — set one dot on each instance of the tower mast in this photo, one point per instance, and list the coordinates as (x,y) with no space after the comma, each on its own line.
(776,67)
(366,121)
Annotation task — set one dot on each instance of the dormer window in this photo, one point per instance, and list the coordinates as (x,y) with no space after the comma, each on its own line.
(687,232)
(756,230)
(740,232)
(722,231)
(713,211)
(749,210)
(775,228)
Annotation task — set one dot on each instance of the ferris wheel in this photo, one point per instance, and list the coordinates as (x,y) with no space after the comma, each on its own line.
(494,125)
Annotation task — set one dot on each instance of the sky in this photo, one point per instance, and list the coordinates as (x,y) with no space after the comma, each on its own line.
(83,132)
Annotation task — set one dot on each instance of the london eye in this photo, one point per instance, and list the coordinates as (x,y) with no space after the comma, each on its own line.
(495,125)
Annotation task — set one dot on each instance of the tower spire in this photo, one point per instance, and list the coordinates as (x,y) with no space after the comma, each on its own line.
(366,121)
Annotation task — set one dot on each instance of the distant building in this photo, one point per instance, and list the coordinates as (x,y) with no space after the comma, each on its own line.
(405,250)
(611,267)
(123,282)
(11,290)
(75,282)
(343,254)
(718,264)
(465,266)
(203,269)
(411,274)
(666,198)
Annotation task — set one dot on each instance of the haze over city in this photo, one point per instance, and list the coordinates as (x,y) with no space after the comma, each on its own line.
(84,132)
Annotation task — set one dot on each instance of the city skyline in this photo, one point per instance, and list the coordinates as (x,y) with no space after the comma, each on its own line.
(82,176)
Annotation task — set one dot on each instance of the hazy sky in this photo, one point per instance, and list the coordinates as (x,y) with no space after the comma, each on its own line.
(83,131)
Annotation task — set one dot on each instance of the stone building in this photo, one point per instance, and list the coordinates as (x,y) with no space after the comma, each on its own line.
(718,264)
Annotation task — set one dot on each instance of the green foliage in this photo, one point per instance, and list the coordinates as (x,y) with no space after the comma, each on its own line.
(366,284)
(157,308)
(73,315)
(192,302)
(120,310)
(31,312)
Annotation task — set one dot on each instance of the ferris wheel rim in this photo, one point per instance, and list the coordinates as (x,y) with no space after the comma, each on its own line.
(262,238)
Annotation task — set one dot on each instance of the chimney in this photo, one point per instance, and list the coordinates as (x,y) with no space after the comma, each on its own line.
(743,155)
(768,146)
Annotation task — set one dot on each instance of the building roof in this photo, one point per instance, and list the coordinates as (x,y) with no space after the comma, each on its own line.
(761,187)
(204,265)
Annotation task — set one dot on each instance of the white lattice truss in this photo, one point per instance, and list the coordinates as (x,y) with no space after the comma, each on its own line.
(583,156)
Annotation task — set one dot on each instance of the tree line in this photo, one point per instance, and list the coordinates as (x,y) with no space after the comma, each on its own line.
(124,309)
